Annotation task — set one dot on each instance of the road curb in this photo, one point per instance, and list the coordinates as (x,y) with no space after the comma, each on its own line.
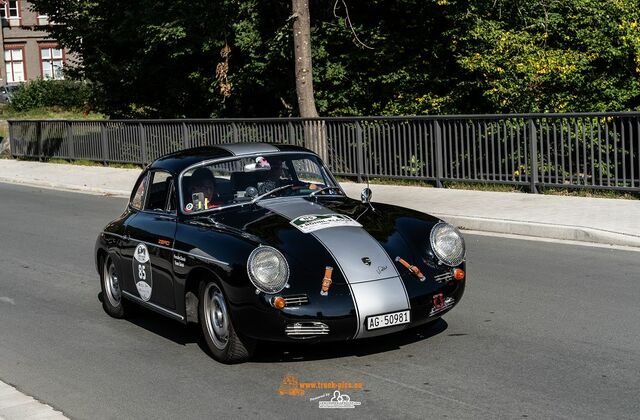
(541,230)
(66,187)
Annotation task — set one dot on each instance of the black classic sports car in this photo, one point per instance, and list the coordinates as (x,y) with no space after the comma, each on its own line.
(256,241)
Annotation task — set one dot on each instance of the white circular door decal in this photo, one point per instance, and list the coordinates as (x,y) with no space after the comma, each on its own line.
(142,272)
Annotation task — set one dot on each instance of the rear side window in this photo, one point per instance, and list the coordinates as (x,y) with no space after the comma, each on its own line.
(159,191)
(138,197)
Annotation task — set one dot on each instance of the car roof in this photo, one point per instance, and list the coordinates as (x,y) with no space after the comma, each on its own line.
(178,161)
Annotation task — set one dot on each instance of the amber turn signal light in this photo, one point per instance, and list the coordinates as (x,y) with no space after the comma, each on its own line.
(278,302)
(458,273)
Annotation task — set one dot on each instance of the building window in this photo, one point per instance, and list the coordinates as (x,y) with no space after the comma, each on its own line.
(14,62)
(11,10)
(52,59)
(43,19)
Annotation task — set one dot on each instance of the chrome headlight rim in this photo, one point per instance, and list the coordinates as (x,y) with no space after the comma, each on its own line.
(284,265)
(450,260)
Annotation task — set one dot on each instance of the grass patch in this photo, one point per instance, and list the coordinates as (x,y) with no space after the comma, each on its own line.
(404,182)
(84,163)
(484,187)
(7,113)
(620,195)
(547,191)
(387,181)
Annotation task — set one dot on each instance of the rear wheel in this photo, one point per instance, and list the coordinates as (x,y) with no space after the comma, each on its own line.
(225,344)
(112,300)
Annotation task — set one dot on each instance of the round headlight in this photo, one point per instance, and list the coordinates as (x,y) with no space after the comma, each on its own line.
(268,269)
(448,244)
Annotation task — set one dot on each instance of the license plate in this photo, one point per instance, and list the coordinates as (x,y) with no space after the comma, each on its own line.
(388,320)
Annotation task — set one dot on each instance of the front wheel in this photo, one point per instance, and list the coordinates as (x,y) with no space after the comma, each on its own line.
(225,344)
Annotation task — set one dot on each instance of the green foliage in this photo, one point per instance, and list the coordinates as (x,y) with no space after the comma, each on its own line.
(542,56)
(65,94)
(414,166)
(158,58)
(7,113)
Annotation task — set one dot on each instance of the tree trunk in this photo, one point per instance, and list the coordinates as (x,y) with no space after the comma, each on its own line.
(302,53)
(315,136)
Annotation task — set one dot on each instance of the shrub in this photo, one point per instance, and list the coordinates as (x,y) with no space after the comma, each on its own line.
(65,94)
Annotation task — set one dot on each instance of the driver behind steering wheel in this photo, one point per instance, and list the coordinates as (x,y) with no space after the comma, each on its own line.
(272,178)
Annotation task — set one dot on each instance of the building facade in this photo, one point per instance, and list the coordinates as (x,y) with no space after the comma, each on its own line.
(28,51)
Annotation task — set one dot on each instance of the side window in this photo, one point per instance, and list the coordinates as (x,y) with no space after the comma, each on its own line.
(159,186)
(138,197)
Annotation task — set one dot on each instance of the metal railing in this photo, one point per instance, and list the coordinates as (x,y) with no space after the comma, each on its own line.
(585,150)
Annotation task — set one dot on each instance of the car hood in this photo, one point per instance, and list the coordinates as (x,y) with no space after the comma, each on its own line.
(339,232)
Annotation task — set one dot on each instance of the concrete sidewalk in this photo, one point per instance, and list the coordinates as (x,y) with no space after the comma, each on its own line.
(605,221)
(16,405)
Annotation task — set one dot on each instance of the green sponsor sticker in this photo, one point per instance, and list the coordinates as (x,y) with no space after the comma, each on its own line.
(312,222)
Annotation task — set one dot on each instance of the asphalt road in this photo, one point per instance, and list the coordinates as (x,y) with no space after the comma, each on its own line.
(545,330)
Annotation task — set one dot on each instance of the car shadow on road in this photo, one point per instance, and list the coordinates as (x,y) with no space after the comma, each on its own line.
(162,326)
(269,352)
(167,328)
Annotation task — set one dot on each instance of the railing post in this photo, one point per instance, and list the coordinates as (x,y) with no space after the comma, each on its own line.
(12,141)
(185,136)
(105,147)
(39,138)
(235,132)
(142,138)
(72,149)
(360,152)
(439,158)
(533,153)
(292,135)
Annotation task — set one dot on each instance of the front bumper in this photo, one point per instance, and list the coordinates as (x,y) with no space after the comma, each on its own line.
(335,317)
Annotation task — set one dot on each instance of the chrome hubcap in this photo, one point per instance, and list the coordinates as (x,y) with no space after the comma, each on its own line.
(112,283)
(216,316)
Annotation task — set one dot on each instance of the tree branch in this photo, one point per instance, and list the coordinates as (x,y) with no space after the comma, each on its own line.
(348,22)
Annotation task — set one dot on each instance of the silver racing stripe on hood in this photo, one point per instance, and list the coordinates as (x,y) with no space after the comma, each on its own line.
(376,286)
(350,245)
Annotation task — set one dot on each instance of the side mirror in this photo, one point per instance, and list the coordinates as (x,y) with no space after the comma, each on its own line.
(365,195)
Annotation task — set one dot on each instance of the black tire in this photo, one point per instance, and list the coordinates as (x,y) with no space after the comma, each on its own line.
(113,303)
(224,343)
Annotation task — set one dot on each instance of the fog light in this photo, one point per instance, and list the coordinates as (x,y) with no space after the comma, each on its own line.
(278,302)
(458,273)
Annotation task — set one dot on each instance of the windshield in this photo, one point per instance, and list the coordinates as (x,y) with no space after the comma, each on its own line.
(235,182)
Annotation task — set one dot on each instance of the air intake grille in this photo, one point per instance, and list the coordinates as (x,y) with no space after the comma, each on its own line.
(306,329)
(296,300)
(444,277)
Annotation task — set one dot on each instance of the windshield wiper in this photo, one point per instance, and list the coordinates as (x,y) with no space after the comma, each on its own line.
(316,192)
(275,190)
